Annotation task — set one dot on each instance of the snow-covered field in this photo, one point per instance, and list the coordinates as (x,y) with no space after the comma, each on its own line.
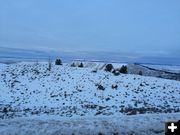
(89,98)
(172,69)
(96,65)
(143,124)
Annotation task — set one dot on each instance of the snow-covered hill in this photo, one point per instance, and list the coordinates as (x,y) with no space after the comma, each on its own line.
(172,69)
(96,65)
(78,91)
(29,89)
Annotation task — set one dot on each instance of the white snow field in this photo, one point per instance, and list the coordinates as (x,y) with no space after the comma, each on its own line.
(142,124)
(172,69)
(72,100)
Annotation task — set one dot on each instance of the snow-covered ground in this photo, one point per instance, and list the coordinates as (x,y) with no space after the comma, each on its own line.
(30,90)
(143,124)
(172,69)
(96,65)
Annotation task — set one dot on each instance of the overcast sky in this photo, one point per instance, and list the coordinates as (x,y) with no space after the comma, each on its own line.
(148,27)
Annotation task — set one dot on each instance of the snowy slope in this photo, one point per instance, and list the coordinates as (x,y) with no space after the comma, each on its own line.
(172,69)
(96,65)
(31,89)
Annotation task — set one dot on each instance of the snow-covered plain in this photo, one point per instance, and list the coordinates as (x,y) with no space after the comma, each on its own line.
(142,124)
(172,69)
(30,90)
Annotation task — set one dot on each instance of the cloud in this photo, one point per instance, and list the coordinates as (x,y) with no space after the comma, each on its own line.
(136,29)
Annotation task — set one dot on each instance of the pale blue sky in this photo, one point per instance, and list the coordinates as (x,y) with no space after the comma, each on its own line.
(142,27)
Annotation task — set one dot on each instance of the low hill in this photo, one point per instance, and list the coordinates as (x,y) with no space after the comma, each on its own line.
(31,89)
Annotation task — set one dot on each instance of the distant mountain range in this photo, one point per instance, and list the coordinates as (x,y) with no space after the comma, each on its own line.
(23,54)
